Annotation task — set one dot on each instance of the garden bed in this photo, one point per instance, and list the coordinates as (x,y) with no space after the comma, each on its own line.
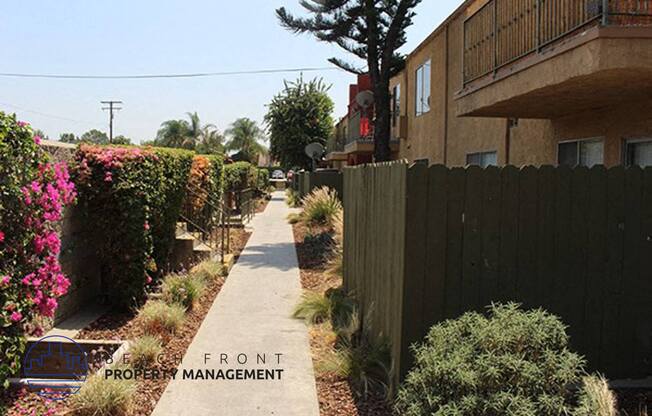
(124,326)
(336,395)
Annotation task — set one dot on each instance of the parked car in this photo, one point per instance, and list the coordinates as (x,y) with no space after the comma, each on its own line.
(278,174)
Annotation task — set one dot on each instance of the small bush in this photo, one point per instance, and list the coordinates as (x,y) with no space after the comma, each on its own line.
(208,270)
(512,362)
(321,206)
(292,198)
(366,364)
(101,396)
(314,308)
(144,351)
(184,290)
(294,218)
(158,317)
(336,261)
(596,399)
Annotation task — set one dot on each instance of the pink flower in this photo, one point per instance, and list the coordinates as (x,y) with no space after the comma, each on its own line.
(16,316)
(2,237)
(4,280)
(108,177)
(146,226)
(23,123)
(148,280)
(37,139)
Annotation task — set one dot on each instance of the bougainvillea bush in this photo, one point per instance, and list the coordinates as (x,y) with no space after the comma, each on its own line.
(204,188)
(131,198)
(33,195)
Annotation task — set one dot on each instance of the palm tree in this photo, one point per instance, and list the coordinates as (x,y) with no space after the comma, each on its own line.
(245,134)
(196,132)
(174,133)
(212,141)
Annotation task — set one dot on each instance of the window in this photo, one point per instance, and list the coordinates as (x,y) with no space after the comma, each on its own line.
(581,153)
(396,104)
(638,153)
(423,89)
(482,159)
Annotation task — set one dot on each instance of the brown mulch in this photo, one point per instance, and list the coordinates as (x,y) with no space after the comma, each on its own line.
(335,394)
(313,255)
(121,326)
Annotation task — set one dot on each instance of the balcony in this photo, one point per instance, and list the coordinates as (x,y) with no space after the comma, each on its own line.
(546,58)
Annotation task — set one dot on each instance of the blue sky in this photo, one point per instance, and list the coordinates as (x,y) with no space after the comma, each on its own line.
(160,36)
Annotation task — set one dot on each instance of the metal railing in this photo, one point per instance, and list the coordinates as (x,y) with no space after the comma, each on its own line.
(210,217)
(246,204)
(504,31)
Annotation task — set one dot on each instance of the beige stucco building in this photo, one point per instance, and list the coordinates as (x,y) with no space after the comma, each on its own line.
(530,82)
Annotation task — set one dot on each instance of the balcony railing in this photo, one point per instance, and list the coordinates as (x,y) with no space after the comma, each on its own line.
(503,31)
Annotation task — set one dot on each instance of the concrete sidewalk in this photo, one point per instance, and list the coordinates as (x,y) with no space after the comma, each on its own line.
(251,318)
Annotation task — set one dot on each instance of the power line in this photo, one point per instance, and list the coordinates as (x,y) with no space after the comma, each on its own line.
(158,76)
(50,115)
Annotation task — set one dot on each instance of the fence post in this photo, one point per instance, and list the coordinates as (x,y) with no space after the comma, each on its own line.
(538,35)
(495,37)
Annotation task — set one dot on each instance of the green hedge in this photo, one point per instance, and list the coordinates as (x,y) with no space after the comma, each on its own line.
(262,180)
(132,198)
(239,176)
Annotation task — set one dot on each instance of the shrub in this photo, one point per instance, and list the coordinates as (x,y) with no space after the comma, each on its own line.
(158,317)
(512,362)
(321,206)
(262,180)
(294,218)
(131,198)
(101,396)
(183,290)
(336,261)
(239,176)
(314,308)
(145,350)
(204,189)
(595,398)
(208,270)
(292,198)
(33,194)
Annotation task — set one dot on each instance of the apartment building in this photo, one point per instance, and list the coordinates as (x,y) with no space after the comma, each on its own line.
(530,82)
(352,143)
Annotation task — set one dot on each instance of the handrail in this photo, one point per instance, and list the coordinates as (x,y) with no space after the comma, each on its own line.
(504,31)
(207,229)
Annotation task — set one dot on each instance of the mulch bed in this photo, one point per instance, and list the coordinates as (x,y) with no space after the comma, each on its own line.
(335,394)
(122,326)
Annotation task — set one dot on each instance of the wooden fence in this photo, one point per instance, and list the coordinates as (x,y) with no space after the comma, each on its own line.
(306,182)
(426,244)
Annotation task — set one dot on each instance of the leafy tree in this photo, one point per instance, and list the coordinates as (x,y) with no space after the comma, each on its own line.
(244,138)
(121,140)
(95,136)
(371,30)
(69,138)
(296,117)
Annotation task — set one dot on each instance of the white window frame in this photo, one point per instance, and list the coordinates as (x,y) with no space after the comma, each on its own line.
(600,139)
(422,94)
(632,140)
(482,155)
(396,104)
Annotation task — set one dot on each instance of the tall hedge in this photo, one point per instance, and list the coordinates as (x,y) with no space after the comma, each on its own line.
(262,179)
(204,189)
(132,198)
(239,176)
(33,194)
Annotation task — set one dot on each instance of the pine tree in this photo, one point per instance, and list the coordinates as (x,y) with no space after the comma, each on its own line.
(371,30)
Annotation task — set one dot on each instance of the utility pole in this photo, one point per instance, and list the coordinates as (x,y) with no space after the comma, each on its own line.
(112,106)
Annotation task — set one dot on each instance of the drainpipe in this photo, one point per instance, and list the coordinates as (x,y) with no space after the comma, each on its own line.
(605,12)
(446,71)
(508,139)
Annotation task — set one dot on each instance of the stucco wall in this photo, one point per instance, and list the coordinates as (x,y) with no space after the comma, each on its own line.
(441,136)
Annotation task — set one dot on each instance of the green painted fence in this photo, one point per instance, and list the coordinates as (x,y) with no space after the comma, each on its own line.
(306,182)
(426,244)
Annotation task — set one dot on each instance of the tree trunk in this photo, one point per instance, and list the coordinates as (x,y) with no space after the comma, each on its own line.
(382,123)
